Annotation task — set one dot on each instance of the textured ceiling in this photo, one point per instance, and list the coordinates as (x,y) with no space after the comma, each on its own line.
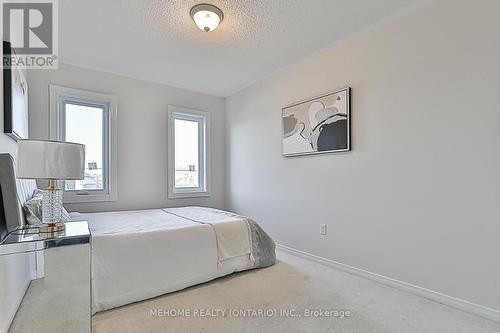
(156,40)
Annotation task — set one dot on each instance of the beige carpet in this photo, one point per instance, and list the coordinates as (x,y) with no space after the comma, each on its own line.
(293,284)
(60,302)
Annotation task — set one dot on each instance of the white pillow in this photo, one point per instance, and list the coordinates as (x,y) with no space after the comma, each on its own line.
(33,209)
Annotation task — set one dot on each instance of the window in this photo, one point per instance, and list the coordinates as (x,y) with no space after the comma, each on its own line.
(85,124)
(187,161)
(188,154)
(90,119)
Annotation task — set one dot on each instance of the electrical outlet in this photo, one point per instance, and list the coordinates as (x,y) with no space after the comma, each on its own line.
(322,230)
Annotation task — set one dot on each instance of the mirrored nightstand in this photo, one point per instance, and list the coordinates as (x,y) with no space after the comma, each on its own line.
(60,301)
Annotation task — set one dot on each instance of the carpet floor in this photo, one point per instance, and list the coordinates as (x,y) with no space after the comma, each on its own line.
(295,295)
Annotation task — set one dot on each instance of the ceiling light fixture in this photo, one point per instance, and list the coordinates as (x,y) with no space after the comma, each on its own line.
(207,17)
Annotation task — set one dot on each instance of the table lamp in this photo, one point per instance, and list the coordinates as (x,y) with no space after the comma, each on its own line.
(52,161)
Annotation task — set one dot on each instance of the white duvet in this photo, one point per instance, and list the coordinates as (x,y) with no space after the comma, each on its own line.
(137,255)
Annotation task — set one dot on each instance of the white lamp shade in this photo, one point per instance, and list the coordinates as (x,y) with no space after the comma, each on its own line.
(39,159)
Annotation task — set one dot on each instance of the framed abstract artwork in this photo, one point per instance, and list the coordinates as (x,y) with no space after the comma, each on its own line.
(15,96)
(317,125)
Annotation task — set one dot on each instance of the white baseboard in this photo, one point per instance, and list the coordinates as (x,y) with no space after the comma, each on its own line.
(456,303)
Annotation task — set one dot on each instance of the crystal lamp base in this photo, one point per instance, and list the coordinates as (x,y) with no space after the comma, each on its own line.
(52,205)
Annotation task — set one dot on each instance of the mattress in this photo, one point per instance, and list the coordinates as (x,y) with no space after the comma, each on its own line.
(142,254)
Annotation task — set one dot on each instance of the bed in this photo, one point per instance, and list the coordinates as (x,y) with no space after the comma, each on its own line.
(142,254)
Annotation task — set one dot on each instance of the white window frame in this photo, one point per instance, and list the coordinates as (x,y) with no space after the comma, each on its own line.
(59,96)
(204,157)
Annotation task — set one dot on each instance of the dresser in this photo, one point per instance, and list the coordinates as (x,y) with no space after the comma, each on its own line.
(58,298)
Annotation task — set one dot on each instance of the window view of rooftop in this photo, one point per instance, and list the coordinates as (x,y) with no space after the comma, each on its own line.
(84,124)
(186,153)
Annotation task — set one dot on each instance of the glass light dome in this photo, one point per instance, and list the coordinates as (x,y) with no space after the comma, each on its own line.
(207,17)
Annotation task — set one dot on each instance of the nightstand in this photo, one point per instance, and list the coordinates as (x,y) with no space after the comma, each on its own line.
(60,298)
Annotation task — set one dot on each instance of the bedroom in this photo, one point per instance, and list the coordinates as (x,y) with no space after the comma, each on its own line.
(394,228)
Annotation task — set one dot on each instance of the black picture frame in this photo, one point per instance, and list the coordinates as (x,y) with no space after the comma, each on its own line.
(15,96)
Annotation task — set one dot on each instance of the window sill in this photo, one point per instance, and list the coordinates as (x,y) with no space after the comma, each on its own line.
(74,198)
(185,195)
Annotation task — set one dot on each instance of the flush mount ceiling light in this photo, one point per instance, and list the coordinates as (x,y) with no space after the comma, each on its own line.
(207,17)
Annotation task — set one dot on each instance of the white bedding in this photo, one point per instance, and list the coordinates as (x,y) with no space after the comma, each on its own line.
(137,255)
(232,232)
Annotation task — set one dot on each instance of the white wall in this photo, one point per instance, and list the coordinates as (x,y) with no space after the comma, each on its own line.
(418,197)
(142,133)
(14,270)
